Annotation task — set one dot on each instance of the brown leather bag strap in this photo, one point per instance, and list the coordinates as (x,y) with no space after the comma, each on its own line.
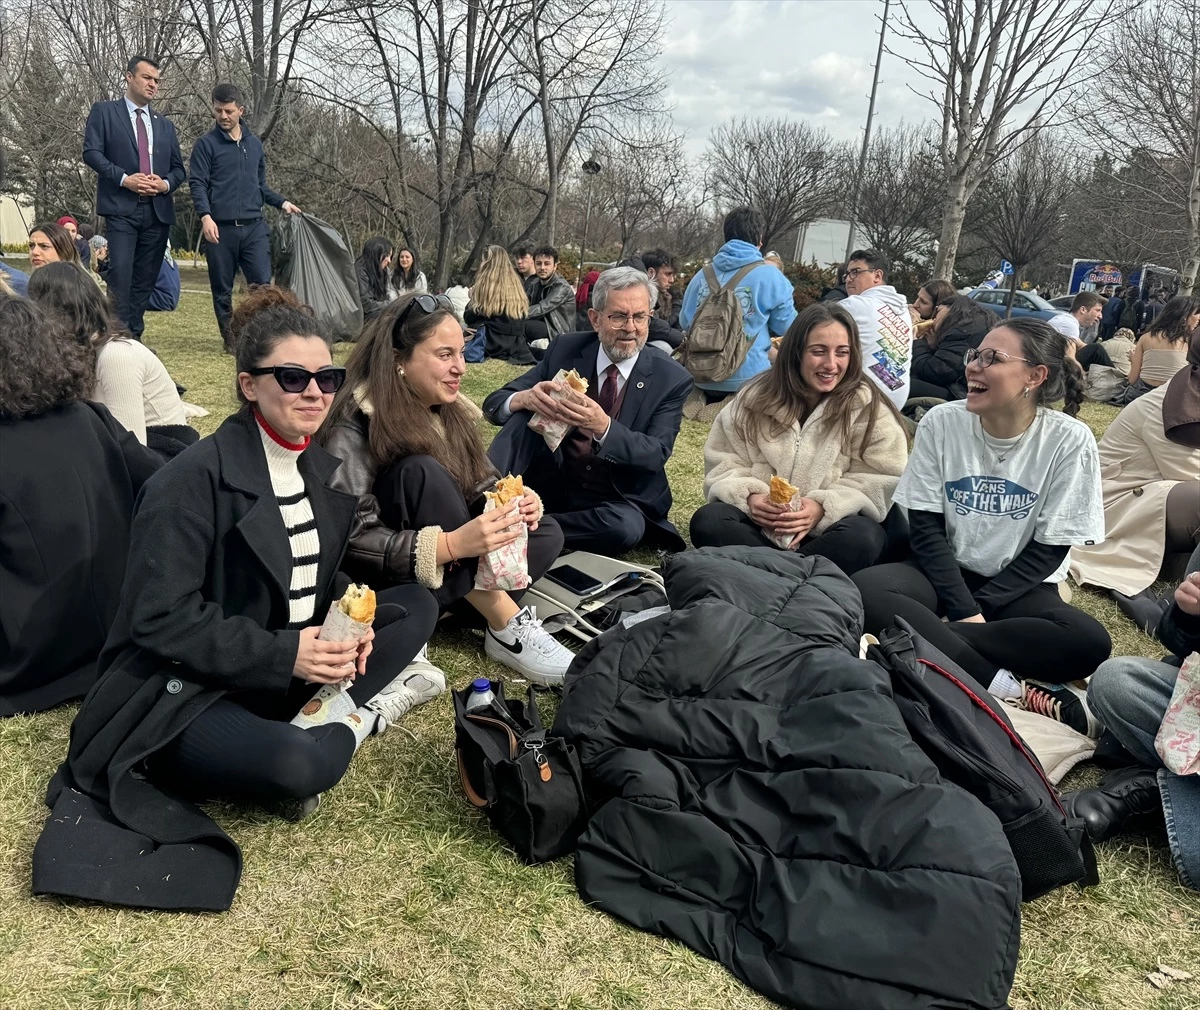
(472,796)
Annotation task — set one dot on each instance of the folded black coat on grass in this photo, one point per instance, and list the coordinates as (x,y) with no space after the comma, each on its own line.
(762,802)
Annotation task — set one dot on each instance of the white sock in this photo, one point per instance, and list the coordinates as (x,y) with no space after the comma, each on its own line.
(1004,685)
(329,704)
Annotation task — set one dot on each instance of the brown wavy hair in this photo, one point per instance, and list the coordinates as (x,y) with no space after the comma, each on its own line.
(400,425)
(779,397)
(41,364)
(266,316)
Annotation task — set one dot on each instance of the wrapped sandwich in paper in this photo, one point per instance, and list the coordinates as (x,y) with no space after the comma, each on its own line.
(555,431)
(506,567)
(789,496)
(1178,738)
(350,617)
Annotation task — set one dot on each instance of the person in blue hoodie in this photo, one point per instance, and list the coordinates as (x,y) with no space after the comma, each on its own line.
(765,294)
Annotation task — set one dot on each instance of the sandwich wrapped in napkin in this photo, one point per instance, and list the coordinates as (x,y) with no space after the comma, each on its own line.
(506,567)
(789,496)
(1178,738)
(555,431)
(350,617)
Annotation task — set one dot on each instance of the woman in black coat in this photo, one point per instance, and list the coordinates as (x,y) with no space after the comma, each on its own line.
(938,367)
(69,474)
(371,270)
(214,683)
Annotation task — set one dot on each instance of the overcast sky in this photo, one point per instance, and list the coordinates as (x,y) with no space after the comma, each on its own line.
(804,59)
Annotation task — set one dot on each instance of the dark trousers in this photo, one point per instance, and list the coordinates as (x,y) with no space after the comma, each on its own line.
(852,543)
(1092,354)
(418,492)
(244,748)
(1036,636)
(919,387)
(136,245)
(591,519)
(246,245)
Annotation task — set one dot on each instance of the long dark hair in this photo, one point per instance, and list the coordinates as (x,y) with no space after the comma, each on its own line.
(406,278)
(62,288)
(1172,322)
(400,425)
(966,314)
(939,291)
(61,239)
(1041,344)
(263,319)
(780,397)
(41,364)
(374,250)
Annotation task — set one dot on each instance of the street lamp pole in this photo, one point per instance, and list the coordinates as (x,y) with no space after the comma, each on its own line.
(862,156)
(591,168)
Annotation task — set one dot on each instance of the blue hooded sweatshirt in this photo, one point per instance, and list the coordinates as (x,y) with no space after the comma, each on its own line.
(767,307)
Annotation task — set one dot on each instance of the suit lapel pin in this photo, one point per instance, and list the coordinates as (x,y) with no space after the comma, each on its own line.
(640,385)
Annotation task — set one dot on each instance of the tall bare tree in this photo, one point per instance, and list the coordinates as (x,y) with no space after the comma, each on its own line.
(999,70)
(783,167)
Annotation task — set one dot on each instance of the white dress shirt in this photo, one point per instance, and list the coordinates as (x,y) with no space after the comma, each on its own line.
(149,124)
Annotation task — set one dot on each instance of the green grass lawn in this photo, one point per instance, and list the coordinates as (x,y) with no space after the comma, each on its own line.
(396,894)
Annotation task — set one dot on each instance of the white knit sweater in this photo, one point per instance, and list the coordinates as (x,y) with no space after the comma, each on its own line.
(292,498)
(135,386)
(811,458)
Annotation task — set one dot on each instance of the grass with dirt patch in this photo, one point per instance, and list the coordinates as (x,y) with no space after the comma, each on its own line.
(396,894)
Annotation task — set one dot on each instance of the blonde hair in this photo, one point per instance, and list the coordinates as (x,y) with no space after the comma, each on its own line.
(498,290)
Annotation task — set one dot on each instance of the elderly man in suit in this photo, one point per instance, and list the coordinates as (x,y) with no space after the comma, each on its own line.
(135,154)
(605,485)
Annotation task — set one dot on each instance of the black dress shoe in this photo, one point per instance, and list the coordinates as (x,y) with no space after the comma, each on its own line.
(1119,797)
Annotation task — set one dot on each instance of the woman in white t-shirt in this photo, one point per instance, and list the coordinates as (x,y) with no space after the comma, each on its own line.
(998,488)
(131,381)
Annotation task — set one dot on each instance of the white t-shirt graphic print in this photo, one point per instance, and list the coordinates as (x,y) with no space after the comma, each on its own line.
(1047,487)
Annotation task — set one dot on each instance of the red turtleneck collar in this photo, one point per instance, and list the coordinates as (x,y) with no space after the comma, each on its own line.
(277,438)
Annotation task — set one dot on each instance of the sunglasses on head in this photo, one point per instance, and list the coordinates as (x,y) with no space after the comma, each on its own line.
(428,304)
(293,379)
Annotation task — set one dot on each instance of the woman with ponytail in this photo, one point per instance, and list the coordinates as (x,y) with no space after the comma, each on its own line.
(998,487)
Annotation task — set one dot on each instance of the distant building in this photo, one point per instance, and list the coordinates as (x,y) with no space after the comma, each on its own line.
(16,218)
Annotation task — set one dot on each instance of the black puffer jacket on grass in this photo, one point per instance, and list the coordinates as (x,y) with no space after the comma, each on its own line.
(762,802)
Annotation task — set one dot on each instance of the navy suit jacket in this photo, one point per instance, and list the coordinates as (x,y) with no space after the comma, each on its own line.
(110,150)
(640,438)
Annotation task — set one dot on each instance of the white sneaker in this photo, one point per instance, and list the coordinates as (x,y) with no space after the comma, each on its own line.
(420,682)
(526,647)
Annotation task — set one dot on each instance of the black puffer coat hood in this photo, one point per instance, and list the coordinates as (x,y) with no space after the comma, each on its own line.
(762,802)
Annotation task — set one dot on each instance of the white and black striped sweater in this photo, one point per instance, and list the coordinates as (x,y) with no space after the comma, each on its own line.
(290,495)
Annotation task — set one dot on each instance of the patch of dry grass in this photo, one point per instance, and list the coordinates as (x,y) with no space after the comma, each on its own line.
(395,894)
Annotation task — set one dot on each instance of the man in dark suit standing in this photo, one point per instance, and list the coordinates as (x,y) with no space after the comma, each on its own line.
(135,155)
(606,485)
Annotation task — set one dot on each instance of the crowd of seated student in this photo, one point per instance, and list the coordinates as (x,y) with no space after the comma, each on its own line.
(958,323)
(69,479)
(816,421)
(1150,465)
(998,488)
(413,458)
(1162,350)
(499,304)
(130,379)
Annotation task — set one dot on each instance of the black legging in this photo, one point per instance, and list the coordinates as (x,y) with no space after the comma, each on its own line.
(852,543)
(244,749)
(418,491)
(1037,636)
(919,387)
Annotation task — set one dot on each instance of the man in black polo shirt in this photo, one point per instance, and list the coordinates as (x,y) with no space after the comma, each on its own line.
(229,187)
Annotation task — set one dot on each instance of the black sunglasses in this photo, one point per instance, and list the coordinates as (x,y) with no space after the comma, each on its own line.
(293,379)
(428,304)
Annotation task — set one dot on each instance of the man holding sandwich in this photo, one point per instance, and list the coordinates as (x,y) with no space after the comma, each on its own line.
(605,483)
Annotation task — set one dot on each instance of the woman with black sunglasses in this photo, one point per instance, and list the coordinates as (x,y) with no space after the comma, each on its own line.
(998,488)
(214,682)
(412,453)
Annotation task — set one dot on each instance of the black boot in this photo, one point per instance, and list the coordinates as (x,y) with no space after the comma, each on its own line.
(1144,609)
(1119,797)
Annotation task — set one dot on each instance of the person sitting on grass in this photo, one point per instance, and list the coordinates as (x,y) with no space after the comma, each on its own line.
(131,380)
(407,276)
(52,243)
(959,323)
(1162,350)
(499,304)
(1130,696)
(371,270)
(68,482)
(816,421)
(414,459)
(998,488)
(1150,460)
(215,683)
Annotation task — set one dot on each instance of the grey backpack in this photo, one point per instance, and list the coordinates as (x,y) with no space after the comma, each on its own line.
(716,344)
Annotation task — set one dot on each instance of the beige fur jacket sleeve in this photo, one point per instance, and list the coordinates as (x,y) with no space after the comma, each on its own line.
(812,459)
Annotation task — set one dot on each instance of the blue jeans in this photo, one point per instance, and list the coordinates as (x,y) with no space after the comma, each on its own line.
(1130,696)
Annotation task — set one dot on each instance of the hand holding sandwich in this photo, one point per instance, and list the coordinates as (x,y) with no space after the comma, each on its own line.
(321,662)
(541,399)
(494,529)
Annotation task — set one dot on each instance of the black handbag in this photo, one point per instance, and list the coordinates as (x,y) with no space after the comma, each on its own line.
(529,784)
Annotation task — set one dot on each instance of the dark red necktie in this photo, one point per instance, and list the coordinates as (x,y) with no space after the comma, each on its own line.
(608,392)
(143,140)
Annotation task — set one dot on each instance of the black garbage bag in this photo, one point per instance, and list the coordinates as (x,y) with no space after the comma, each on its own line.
(312,259)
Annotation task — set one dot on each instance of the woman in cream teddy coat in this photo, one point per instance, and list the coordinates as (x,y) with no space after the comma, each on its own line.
(817,421)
